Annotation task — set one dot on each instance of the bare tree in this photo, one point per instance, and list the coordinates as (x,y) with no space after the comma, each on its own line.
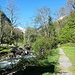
(70,5)
(0,25)
(12,9)
(42,17)
(61,12)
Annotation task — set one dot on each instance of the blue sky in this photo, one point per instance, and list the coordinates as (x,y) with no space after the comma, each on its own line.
(28,7)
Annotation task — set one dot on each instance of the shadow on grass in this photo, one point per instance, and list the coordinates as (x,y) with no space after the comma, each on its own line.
(35,70)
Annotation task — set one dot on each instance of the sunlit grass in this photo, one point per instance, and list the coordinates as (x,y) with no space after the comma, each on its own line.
(69,49)
(53,59)
(20,44)
(48,74)
(5,50)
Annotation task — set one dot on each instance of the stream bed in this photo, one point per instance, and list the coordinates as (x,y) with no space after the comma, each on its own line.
(8,63)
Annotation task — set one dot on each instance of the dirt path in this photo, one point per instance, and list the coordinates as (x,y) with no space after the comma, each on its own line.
(64,64)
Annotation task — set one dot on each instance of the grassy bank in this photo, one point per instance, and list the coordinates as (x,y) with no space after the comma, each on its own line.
(53,60)
(69,49)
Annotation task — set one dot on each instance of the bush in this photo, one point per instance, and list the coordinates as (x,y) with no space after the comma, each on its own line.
(26,62)
(42,47)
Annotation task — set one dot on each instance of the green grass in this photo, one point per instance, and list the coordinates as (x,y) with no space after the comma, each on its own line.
(69,49)
(20,44)
(52,59)
(5,50)
(48,74)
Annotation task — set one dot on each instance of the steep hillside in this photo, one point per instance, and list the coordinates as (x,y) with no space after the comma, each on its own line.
(65,28)
(4,19)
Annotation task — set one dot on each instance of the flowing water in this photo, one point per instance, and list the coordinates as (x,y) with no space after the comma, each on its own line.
(8,63)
